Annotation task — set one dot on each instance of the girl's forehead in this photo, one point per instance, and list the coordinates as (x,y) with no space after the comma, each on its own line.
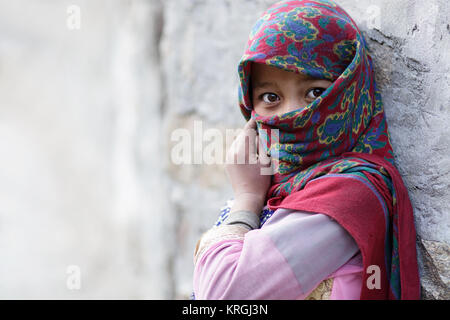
(259,70)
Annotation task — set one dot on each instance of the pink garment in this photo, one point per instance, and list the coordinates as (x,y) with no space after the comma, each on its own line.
(286,259)
(347,280)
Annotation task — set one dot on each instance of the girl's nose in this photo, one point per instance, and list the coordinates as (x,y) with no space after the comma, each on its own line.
(294,104)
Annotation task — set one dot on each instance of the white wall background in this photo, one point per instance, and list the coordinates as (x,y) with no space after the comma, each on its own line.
(86,117)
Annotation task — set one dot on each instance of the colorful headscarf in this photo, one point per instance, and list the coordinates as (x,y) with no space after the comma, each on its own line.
(329,150)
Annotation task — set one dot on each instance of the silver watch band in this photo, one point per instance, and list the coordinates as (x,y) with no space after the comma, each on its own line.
(247,219)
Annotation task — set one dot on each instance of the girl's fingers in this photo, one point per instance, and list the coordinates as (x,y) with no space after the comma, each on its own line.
(244,149)
(264,159)
(250,141)
(259,150)
(251,124)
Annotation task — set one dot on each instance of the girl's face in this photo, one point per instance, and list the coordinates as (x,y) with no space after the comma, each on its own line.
(275,91)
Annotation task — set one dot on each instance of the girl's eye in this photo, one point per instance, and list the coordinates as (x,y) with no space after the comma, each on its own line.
(270,97)
(314,93)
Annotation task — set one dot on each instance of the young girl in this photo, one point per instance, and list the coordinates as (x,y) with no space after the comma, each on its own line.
(334,221)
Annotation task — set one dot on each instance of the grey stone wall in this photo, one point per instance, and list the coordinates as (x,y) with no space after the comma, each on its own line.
(88,114)
(412,59)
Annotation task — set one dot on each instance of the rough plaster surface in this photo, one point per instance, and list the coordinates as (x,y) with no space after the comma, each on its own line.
(87,118)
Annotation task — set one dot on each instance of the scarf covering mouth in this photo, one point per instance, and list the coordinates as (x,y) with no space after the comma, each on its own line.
(335,154)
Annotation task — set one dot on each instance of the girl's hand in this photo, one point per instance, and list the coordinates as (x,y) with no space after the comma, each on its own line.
(243,167)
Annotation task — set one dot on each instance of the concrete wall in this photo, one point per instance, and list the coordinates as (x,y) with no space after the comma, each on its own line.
(88,114)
